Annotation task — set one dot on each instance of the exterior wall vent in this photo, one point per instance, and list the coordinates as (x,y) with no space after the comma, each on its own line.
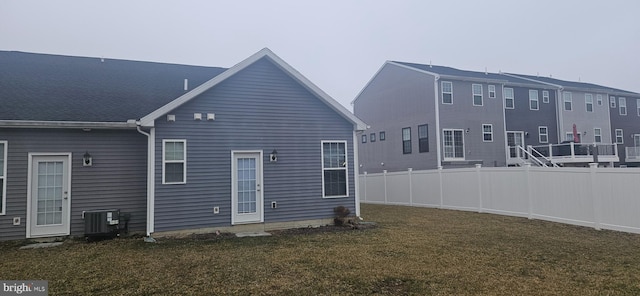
(211,116)
(197,116)
(186,84)
(171,118)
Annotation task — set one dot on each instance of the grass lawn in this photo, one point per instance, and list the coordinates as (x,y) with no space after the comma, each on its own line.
(417,251)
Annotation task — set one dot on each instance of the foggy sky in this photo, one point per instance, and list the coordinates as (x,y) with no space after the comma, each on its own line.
(339,45)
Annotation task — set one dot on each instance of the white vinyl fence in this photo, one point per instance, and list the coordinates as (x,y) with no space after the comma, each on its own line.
(603,198)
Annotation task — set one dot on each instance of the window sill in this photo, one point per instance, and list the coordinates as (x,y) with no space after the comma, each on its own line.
(337,196)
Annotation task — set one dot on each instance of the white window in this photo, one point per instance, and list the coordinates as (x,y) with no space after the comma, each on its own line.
(619,136)
(636,140)
(588,100)
(174,161)
(477,94)
(622,104)
(543,134)
(453,142)
(545,96)
(599,99)
(597,135)
(492,91)
(612,102)
(568,100)
(533,100)
(3,176)
(334,169)
(406,140)
(447,92)
(487,133)
(508,98)
(568,136)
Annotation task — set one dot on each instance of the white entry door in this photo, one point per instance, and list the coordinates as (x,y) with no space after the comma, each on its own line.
(49,195)
(246,187)
(515,139)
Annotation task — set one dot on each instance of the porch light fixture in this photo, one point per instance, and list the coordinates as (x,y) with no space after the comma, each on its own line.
(273,157)
(87,160)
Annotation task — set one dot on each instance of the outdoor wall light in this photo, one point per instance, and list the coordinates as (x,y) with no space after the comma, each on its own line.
(273,156)
(87,160)
(468,130)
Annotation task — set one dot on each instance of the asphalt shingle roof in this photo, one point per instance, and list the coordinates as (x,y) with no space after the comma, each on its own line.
(448,71)
(44,87)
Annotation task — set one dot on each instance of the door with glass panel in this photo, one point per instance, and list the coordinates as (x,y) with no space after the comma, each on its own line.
(49,196)
(515,140)
(246,187)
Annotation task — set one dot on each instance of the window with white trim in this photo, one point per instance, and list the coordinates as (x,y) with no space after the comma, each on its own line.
(567,97)
(447,92)
(406,140)
(423,138)
(622,105)
(492,91)
(3,176)
(599,99)
(533,100)
(543,134)
(612,101)
(487,133)
(588,100)
(569,137)
(638,106)
(509,102)
(597,135)
(619,136)
(476,89)
(453,142)
(545,96)
(334,169)
(174,161)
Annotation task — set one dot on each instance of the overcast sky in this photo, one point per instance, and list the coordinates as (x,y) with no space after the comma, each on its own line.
(339,45)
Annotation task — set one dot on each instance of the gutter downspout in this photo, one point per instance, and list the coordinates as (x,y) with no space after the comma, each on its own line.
(150,180)
(437,109)
(356,171)
(560,110)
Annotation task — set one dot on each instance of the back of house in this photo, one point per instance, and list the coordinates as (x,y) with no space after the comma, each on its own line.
(168,147)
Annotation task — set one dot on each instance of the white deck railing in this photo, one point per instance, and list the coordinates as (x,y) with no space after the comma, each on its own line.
(577,152)
(632,154)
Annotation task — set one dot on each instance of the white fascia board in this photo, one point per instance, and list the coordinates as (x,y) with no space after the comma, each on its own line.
(67,124)
(148,120)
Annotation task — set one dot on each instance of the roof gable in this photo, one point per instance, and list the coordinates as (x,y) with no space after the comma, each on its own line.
(265,53)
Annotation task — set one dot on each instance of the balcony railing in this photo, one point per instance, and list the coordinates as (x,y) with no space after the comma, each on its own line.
(632,154)
(577,152)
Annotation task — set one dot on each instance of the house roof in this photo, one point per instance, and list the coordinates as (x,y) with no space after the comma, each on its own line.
(448,72)
(43,90)
(43,87)
(573,84)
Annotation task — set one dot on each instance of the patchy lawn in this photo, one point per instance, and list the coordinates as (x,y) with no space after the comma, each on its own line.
(412,251)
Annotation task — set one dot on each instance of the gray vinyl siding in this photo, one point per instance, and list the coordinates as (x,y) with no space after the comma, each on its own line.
(630,124)
(462,114)
(396,98)
(585,121)
(117,178)
(521,118)
(259,108)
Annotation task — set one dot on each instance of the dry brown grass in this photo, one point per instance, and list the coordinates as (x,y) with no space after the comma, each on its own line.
(413,251)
